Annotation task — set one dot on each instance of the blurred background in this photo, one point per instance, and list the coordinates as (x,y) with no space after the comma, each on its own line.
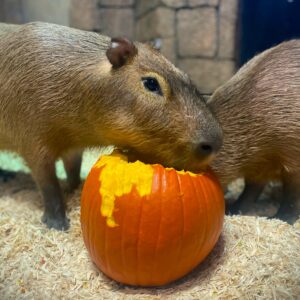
(208,39)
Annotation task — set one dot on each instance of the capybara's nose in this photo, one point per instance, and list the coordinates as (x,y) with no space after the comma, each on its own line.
(204,149)
(207,148)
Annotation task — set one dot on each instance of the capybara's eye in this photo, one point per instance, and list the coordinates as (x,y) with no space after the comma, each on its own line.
(151,84)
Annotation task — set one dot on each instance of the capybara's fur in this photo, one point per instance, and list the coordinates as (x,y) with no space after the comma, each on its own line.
(259,111)
(64,89)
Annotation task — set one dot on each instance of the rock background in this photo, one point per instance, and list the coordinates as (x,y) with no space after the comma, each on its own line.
(198,36)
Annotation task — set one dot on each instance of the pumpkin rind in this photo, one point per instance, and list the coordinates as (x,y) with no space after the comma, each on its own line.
(157,237)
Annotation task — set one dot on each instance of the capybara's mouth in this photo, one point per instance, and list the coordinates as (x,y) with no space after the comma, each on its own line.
(197,166)
(193,165)
(133,155)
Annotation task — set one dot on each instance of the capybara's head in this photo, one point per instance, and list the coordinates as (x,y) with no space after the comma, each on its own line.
(158,114)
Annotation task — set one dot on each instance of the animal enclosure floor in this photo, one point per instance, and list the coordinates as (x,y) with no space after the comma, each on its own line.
(255,258)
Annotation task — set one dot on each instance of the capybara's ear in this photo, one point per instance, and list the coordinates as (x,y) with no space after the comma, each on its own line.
(120,51)
(155,44)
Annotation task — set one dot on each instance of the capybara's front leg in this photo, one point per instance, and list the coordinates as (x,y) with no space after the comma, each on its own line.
(45,177)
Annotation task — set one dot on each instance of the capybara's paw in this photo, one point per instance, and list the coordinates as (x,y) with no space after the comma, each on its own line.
(58,223)
(289,217)
(238,208)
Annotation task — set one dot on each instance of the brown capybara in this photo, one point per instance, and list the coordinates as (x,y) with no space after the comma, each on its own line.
(64,89)
(259,111)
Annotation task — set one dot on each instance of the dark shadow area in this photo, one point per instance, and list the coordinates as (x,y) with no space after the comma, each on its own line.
(203,272)
(264,24)
(13,182)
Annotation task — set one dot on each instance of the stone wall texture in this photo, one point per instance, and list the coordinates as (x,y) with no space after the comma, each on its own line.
(23,11)
(196,35)
(109,17)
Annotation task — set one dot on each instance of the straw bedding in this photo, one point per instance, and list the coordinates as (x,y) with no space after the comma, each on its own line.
(255,258)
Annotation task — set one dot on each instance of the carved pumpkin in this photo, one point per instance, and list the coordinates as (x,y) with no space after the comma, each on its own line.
(147,225)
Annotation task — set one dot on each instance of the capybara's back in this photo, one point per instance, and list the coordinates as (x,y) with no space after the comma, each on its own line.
(42,69)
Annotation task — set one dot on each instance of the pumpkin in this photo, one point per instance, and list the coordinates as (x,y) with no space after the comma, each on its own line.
(147,225)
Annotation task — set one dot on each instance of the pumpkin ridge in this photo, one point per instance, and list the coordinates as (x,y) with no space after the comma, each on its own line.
(160,174)
(208,220)
(91,205)
(137,244)
(199,196)
(87,197)
(123,269)
(178,179)
(105,246)
(210,212)
(219,205)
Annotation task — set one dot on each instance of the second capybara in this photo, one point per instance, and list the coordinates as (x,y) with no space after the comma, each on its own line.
(259,111)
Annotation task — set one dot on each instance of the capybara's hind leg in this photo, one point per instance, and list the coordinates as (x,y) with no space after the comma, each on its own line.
(72,163)
(246,201)
(289,210)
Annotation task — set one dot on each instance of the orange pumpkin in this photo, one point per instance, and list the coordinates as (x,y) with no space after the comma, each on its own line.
(147,225)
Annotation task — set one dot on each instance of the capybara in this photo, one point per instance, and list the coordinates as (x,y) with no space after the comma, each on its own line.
(63,89)
(259,111)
